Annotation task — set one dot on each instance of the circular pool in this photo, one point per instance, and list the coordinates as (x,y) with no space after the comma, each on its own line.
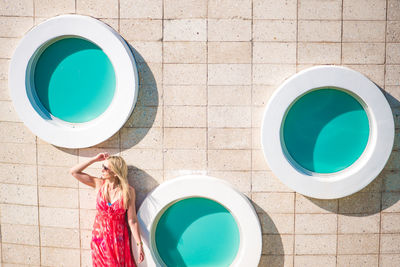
(73,81)
(199,221)
(327,132)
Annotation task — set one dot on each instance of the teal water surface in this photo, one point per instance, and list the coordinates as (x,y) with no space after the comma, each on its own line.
(74,80)
(326,130)
(197,232)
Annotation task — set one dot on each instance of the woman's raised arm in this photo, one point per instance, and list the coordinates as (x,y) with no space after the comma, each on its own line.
(77,171)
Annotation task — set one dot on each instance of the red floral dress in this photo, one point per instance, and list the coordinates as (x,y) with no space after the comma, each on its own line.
(110,237)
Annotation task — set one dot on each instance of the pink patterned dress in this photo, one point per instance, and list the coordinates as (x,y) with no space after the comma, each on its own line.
(110,237)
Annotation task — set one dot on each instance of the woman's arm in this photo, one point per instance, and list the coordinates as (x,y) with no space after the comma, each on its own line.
(134,226)
(85,178)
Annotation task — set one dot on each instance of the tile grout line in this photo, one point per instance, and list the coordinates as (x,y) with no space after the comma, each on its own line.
(162,93)
(251,101)
(79,217)
(206,126)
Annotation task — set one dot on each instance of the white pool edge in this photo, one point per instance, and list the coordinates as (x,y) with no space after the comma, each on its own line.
(249,252)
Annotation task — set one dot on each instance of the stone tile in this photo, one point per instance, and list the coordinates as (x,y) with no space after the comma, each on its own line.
(15,26)
(317,9)
(56,176)
(229,160)
(148,159)
(58,197)
(241,180)
(375,73)
(16,8)
(86,258)
(15,153)
(274,52)
(393,31)
(150,52)
(4,91)
(358,223)
(231,138)
(7,111)
(141,137)
(276,260)
(266,181)
(393,12)
(357,260)
(59,217)
(144,182)
(8,47)
(229,52)
(18,174)
(185,116)
(392,93)
(229,74)
(269,9)
(319,53)
(185,74)
(262,73)
(315,244)
(145,117)
(86,219)
(276,223)
(185,30)
(314,261)
(18,194)
(141,30)
(15,132)
(20,254)
(316,223)
(141,9)
(364,31)
(368,203)
(262,94)
(392,74)
(388,260)
(363,53)
(175,159)
(258,161)
(391,180)
(185,95)
(390,202)
(277,244)
(149,96)
(185,52)
(150,74)
(59,237)
(54,156)
(390,223)
(320,31)
(390,243)
(274,202)
(4,67)
(228,95)
(98,8)
(274,30)
(312,205)
(358,244)
(20,234)
(229,30)
(176,9)
(86,238)
(60,256)
(51,8)
(364,9)
(185,138)
(227,9)
(11,214)
(229,116)
(393,161)
(393,53)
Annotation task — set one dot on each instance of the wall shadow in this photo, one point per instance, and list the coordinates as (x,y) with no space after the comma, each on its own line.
(272,246)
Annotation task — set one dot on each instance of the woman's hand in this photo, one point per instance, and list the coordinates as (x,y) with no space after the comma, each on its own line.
(101,156)
(140,252)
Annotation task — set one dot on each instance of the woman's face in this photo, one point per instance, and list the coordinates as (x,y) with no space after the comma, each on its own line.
(106,173)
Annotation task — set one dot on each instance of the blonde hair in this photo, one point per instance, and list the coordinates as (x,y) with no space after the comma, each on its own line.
(118,166)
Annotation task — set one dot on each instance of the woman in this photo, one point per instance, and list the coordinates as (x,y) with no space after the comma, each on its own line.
(110,239)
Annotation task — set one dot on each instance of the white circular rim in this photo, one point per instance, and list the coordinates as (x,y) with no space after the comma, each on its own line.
(169,192)
(54,130)
(368,165)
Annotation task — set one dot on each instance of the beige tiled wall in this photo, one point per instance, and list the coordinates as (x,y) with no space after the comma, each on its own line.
(207,69)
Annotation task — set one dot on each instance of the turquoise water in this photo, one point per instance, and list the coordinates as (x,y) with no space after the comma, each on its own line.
(197,232)
(74,80)
(326,130)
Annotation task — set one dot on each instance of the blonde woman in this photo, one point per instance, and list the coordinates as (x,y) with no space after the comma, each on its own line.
(110,238)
